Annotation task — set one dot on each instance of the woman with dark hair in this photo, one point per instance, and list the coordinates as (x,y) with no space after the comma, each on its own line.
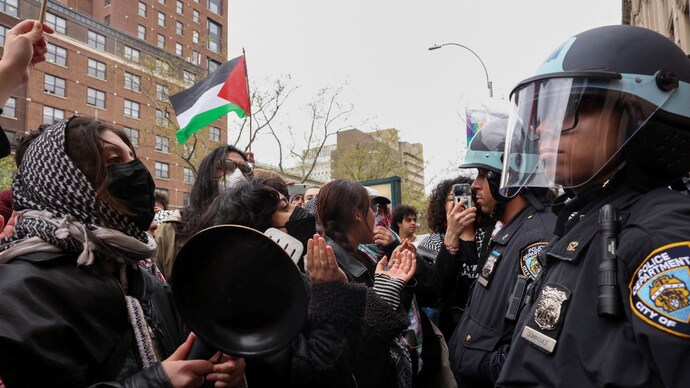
(384,359)
(343,316)
(440,204)
(74,305)
(222,168)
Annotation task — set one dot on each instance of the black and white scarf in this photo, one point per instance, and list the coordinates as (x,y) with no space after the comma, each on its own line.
(57,212)
(57,207)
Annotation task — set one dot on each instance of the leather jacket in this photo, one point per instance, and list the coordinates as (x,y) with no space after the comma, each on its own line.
(67,325)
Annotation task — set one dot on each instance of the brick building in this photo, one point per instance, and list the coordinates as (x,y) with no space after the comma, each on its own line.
(118,60)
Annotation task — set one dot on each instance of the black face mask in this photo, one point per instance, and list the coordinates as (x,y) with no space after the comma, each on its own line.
(132,184)
(302,226)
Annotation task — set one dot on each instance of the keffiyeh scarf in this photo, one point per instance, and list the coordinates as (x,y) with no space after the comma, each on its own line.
(58,209)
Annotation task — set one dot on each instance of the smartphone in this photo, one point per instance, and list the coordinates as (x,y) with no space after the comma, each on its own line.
(462,191)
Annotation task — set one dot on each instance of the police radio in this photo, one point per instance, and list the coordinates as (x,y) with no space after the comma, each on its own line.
(609,303)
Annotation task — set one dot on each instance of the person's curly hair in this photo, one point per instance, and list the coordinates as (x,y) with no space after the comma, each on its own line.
(436,212)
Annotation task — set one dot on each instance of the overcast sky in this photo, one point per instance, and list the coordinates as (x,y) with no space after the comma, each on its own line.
(380,48)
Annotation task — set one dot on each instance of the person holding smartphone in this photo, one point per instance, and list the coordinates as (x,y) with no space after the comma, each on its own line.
(507,256)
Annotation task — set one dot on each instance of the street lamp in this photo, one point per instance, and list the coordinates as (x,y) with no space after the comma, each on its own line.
(488,83)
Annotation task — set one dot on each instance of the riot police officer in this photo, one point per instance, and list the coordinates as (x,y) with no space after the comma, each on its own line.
(607,119)
(507,262)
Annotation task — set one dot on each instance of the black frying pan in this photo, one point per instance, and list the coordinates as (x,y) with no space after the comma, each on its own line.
(239,291)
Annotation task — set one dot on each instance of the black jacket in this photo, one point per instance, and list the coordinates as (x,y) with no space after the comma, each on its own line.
(63,325)
(371,357)
(648,345)
(480,342)
(319,356)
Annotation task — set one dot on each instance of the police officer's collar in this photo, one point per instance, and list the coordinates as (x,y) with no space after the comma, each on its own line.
(571,209)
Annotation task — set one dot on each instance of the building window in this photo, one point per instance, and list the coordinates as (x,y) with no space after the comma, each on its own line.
(133,135)
(131,54)
(3,33)
(96,69)
(196,57)
(214,134)
(10,108)
(212,65)
(161,41)
(179,7)
(162,144)
(162,170)
(188,175)
(161,19)
(188,77)
(52,115)
(214,32)
(162,1)
(162,67)
(9,7)
(141,32)
(142,9)
(131,109)
(96,40)
(178,49)
(196,16)
(95,98)
(56,54)
(132,82)
(195,36)
(162,118)
(106,20)
(107,3)
(54,85)
(161,92)
(59,24)
(215,7)
(185,199)
(179,28)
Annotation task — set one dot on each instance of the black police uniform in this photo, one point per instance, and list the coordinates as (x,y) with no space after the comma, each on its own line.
(562,342)
(481,339)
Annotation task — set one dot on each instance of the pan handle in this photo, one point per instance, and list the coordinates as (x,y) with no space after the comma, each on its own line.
(200,350)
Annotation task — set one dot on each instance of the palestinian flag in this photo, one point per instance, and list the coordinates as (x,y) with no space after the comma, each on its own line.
(223,91)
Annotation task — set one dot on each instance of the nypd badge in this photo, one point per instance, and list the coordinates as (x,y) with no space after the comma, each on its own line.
(660,289)
(529,263)
(489,268)
(544,326)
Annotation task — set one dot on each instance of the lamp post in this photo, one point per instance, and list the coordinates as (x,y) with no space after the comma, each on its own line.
(488,82)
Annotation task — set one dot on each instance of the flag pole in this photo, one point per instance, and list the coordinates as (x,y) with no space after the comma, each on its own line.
(249,94)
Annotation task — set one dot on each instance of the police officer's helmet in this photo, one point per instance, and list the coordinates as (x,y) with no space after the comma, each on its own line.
(486,151)
(632,72)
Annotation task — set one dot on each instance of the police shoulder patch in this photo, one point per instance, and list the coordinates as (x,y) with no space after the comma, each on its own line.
(529,264)
(660,289)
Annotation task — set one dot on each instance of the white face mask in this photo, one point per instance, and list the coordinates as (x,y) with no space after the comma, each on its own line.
(231,180)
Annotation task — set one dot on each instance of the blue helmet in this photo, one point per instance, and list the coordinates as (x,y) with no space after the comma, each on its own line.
(631,73)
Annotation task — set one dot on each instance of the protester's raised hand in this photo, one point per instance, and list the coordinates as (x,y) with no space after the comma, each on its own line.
(228,371)
(383,236)
(25,46)
(321,263)
(401,266)
(460,221)
(186,373)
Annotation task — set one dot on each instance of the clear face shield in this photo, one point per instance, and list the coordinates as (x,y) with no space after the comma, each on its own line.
(564,132)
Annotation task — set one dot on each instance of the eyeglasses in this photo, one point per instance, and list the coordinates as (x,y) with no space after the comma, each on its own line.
(229,165)
(375,208)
